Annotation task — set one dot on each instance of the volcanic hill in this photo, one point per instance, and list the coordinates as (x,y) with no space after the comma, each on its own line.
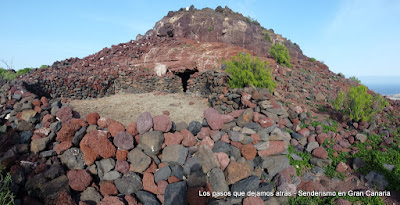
(250,140)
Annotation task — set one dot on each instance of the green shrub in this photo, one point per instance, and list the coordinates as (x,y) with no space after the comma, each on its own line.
(251,20)
(43,66)
(358,104)
(267,36)
(6,197)
(245,71)
(312,60)
(23,71)
(355,79)
(281,54)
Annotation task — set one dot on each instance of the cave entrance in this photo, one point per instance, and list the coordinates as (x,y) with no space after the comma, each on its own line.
(185,76)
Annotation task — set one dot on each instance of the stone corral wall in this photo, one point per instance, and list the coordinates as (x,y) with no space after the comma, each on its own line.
(201,84)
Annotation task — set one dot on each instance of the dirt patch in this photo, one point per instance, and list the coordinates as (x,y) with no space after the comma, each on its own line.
(125,108)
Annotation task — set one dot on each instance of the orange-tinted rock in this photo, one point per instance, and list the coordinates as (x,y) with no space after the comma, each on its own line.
(248,151)
(253,201)
(341,167)
(92,118)
(152,168)
(236,171)
(149,184)
(60,148)
(115,127)
(188,138)
(111,200)
(122,154)
(80,122)
(275,147)
(78,179)
(64,114)
(131,129)
(67,132)
(223,159)
(266,122)
(173,179)
(108,188)
(104,122)
(64,198)
(162,123)
(208,142)
(96,144)
(173,138)
(48,119)
(320,152)
(161,186)
(256,138)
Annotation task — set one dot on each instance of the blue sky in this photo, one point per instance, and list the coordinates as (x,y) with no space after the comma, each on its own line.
(356,37)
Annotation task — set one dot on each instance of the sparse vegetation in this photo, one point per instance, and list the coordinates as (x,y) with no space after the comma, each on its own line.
(312,60)
(267,36)
(358,104)
(245,71)
(281,54)
(6,197)
(355,79)
(251,20)
(11,75)
(43,66)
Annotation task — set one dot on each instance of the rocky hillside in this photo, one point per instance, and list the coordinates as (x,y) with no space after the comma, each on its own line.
(252,147)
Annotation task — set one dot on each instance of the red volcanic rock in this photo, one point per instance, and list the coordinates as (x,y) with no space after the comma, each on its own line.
(252,201)
(122,154)
(173,179)
(162,123)
(256,138)
(122,166)
(80,122)
(108,188)
(96,144)
(48,119)
(208,142)
(64,198)
(123,140)
(161,186)
(266,122)
(214,119)
(173,138)
(104,122)
(67,132)
(131,129)
(193,197)
(341,167)
(305,132)
(204,132)
(320,152)
(248,151)
(36,103)
(223,159)
(236,113)
(64,114)
(166,112)
(275,147)
(60,148)
(79,179)
(115,127)
(321,138)
(111,200)
(188,138)
(92,118)
(148,183)
(44,100)
(144,122)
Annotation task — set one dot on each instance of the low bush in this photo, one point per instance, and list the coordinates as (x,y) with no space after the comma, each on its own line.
(313,59)
(267,36)
(6,197)
(355,79)
(358,104)
(281,54)
(245,71)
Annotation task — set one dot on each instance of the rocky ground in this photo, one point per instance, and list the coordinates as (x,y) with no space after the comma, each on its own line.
(60,151)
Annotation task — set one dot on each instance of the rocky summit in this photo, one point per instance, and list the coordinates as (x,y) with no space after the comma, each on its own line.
(252,147)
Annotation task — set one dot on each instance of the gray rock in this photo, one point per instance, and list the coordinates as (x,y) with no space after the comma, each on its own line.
(318,171)
(181,126)
(192,165)
(34,184)
(177,171)
(55,126)
(275,164)
(197,179)
(48,153)
(311,146)
(151,142)
(73,158)
(207,159)
(104,166)
(78,136)
(147,198)
(162,174)
(139,159)
(264,134)
(244,118)
(320,162)
(388,166)
(236,136)
(251,183)
(377,179)
(358,163)
(361,137)
(297,136)
(265,187)
(91,195)
(277,134)
(176,193)
(25,137)
(247,131)
(309,177)
(50,189)
(217,180)
(296,157)
(54,171)
(129,183)
(174,154)
(262,145)
(194,127)
(111,175)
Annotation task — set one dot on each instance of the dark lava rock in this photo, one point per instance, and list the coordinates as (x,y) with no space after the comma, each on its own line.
(195,127)
(147,198)
(176,193)
(129,183)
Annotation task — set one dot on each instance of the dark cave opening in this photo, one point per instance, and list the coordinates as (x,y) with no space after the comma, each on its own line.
(185,76)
